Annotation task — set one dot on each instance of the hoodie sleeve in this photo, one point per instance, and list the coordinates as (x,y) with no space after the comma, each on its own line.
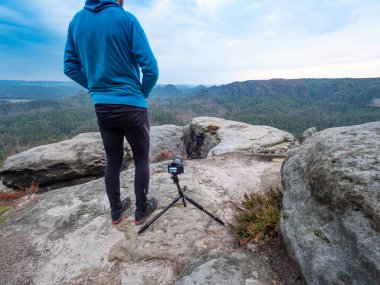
(145,58)
(72,66)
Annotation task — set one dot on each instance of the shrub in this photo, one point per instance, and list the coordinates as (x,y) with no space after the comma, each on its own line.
(260,219)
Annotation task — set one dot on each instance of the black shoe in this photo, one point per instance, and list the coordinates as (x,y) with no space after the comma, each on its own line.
(117,214)
(141,216)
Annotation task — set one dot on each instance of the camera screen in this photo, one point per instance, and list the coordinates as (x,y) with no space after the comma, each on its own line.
(172,169)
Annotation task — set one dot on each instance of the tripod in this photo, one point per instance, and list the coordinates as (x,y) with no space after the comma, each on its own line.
(184,197)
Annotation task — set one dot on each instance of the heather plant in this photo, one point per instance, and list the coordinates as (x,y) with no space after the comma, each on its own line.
(259,220)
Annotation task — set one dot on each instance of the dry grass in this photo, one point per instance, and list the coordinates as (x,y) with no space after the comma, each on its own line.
(9,199)
(260,219)
(14,195)
(162,156)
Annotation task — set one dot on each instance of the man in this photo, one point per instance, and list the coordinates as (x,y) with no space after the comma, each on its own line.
(105,50)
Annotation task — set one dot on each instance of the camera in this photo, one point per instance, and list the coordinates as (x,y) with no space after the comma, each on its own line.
(176,167)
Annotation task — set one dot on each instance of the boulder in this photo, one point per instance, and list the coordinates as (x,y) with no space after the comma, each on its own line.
(331,207)
(81,156)
(80,159)
(208,136)
(308,133)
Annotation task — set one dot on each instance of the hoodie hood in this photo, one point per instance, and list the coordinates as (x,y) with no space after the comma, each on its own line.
(98,5)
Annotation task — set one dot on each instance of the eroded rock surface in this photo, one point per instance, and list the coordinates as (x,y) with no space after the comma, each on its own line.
(207,136)
(331,207)
(65,236)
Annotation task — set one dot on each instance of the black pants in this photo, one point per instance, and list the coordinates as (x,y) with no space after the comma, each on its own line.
(115,123)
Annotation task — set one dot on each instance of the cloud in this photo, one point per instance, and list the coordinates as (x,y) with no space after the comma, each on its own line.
(213,41)
(222,40)
(32,37)
(54,15)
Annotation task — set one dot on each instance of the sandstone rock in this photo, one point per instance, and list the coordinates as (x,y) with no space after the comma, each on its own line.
(166,141)
(226,268)
(80,159)
(331,208)
(308,133)
(256,174)
(65,236)
(208,136)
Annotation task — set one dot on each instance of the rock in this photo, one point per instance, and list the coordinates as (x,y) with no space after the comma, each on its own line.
(80,159)
(308,133)
(255,174)
(227,268)
(166,142)
(331,208)
(65,236)
(208,136)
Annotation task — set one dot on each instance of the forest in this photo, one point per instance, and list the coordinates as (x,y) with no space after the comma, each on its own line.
(35,113)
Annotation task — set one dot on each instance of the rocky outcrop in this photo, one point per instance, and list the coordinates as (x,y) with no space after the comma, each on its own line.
(80,159)
(331,208)
(82,156)
(65,236)
(208,136)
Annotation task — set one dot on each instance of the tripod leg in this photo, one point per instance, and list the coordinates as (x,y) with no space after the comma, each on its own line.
(180,192)
(203,210)
(158,215)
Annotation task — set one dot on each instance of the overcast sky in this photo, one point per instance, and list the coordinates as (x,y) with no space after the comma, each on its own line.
(209,41)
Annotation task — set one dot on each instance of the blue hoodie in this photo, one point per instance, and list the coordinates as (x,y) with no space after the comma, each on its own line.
(105,49)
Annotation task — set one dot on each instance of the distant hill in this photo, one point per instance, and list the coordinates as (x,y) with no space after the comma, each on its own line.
(15,89)
(349,90)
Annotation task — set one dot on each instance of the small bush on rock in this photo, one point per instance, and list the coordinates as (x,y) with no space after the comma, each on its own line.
(260,219)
